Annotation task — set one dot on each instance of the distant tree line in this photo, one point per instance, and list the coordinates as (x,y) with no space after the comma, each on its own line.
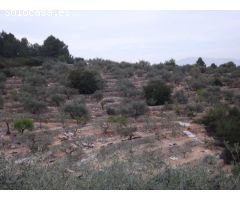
(11,47)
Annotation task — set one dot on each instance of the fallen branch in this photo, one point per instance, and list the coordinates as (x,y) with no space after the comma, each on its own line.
(135,137)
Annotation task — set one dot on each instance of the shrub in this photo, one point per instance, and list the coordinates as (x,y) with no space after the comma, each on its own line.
(98,95)
(197,83)
(112,110)
(57,99)
(87,82)
(38,142)
(23,124)
(217,82)
(127,88)
(35,80)
(32,61)
(118,120)
(157,93)
(127,132)
(180,97)
(133,108)
(192,108)
(2,77)
(1,102)
(76,110)
(224,124)
(33,105)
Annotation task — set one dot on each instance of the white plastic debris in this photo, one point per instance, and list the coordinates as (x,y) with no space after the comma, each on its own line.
(189,134)
(173,158)
(184,124)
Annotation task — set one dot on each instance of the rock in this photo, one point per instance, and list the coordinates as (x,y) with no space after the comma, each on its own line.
(173,158)
(88,145)
(13,146)
(62,137)
(184,124)
(74,146)
(69,134)
(189,134)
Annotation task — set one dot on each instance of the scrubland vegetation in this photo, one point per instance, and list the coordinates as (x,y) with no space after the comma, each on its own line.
(70,123)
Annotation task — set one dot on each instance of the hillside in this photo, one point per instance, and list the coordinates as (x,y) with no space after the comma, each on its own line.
(101,132)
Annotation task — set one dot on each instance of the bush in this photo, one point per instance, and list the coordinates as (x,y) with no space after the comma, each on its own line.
(112,110)
(76,110)
(98,95)
(224,124)
(38,142)
(133,108)
(127,132)
(1,102)
(119,120)
(192,108)
(23,124)
(35,80)
(217,82)
(180,97)
(157,93)
(87,82)
(197,83)
(33,105)
(2,77)
(57,99)
(127,88)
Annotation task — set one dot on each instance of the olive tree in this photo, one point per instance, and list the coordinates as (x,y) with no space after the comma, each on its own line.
(77,111)
(23,124)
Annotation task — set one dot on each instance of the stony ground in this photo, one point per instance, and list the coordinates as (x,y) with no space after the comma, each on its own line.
(160,131)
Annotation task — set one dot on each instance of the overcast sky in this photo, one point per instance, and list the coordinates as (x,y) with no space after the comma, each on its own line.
(135,35)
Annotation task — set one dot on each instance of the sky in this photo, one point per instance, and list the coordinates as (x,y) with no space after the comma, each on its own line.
(131,36)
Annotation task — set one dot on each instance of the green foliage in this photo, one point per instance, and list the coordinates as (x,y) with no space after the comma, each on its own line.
(8,63)
(112,110)
(2,77)
(119,120)
(127,175)
(213,66)
(200,62)
(224,124)
(127,88)
(127,132)
(57,99)
(76,110)
(33,105)
(87,82)
(180,97)
(133,108)
(35,80)
(2,81)
(54,47)
(198,82)
(192,108)
(11,47)
(156,93)
(1,102)
(98,95)
(170,62)
(217,82)
(23,124)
